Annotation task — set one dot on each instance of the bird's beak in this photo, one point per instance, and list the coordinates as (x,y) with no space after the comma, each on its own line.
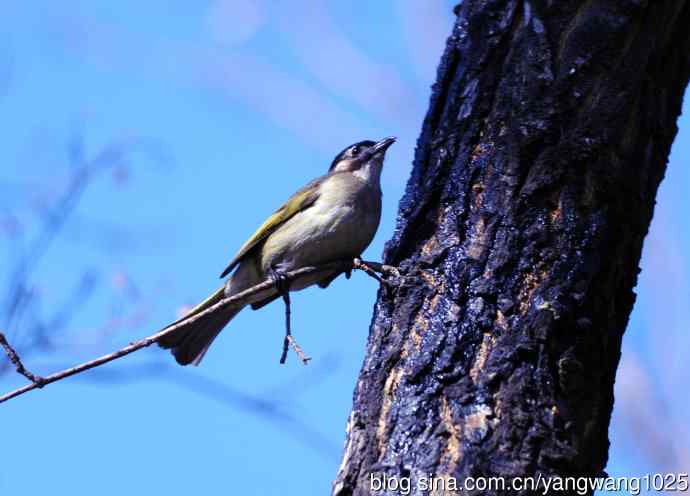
(383,145)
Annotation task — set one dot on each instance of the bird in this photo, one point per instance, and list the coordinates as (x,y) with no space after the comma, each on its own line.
(334,217)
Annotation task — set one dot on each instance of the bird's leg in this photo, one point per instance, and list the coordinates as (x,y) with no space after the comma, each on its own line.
(288,330)
(283,287)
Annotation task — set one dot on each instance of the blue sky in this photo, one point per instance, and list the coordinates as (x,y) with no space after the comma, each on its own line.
(223,109)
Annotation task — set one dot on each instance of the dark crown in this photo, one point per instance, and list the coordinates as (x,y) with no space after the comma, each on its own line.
(344,154)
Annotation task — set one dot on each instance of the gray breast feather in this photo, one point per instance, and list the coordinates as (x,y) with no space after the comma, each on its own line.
(340,224)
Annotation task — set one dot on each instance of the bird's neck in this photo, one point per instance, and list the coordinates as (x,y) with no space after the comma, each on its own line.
(370,172)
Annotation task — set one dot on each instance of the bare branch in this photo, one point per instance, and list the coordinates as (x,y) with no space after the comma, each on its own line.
(371,269)
(259,291)
(289,339)
(21,294)
(14,358)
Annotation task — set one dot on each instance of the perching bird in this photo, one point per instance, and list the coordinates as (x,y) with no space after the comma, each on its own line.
(332,218)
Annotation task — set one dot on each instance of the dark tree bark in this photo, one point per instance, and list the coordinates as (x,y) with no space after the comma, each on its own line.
(519,236)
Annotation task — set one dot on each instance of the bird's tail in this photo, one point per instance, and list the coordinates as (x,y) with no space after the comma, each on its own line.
(190,342)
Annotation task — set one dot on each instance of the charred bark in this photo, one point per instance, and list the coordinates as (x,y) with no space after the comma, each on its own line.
(519,237)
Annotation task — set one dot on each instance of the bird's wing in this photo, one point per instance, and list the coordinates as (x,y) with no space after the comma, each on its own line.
(303,199)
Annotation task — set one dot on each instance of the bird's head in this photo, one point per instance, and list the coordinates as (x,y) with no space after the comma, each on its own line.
(364,158)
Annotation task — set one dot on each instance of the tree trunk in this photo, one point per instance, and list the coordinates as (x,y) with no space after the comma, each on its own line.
(519,238)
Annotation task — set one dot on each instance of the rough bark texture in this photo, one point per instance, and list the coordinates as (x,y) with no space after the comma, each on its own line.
(520,235)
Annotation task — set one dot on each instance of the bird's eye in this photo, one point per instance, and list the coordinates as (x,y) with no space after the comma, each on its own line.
(355,150)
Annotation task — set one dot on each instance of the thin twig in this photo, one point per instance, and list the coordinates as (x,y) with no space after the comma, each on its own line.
(298,349)
(16,361)
(373,269)
(20,294)
(258,292)
(380,268)
(358,264)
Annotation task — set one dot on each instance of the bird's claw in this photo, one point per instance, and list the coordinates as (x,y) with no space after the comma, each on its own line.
(280,279)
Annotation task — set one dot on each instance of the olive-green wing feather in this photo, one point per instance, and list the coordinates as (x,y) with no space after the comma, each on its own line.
(298,202)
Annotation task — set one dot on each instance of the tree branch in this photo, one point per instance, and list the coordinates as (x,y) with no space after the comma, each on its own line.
(371,269)
(261,290)
(16,361)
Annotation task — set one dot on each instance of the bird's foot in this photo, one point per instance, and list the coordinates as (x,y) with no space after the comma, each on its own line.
(281,281)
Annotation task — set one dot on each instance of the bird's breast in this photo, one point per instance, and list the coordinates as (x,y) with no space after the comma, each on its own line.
(339,225)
